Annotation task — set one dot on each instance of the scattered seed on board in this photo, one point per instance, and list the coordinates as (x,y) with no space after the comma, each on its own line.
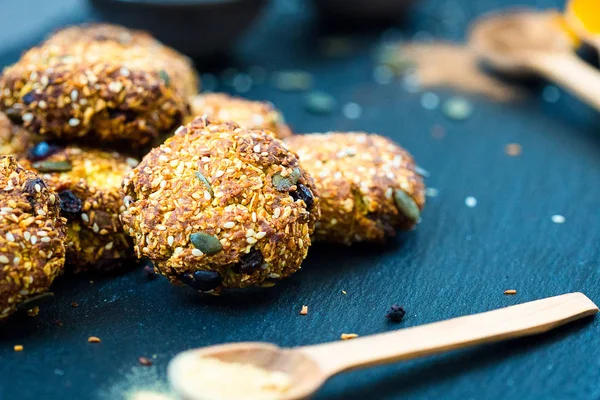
(510,292)
(292,81)
(558,219)
(94,339)
(348,336)
(457,108)
(471,201)
(304,310)
(18,347)
(206,243)
(319,103)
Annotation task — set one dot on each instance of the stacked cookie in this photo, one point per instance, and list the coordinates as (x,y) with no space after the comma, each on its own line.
(76,111)
(230,200)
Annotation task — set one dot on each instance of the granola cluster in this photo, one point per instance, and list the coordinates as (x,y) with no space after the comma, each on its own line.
(367,185)
(32,250)
(221,206)
(99,82)
(246,113)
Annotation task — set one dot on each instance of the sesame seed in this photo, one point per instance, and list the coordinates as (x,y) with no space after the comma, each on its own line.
(276,212)
(178,250)
(170,240)
(74,95)
(274,276)
(219,173)
(250,232)
(109,246)
(181,128)
(253,216)
(33,239)
(228,225)
(42,233)
(4,259)
(27,236)
(115,86)
(10,237)
(45,239)
(257,148)
(74,122)
(207,195)
(85,217)
(41,212)
(558,219)
(27,117)
(510,292)
(471,201)
(52,198)
(132,162)
(124,71)
(16,260)
(197,253)
(251,240)
(95,228)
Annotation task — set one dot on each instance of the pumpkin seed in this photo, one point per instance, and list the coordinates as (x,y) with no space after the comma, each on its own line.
(164,77)
(407,205)
(35,301)
(284,183)
(206,183)
(53,166)
(206,243)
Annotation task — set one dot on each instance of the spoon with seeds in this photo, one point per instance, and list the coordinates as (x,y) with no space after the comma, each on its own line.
(522,42)
(265,371)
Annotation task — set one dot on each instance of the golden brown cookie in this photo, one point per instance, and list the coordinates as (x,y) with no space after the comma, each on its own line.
(367,185)
(246,113)
(88,183)
(99,82)
(218,206)
(32,249)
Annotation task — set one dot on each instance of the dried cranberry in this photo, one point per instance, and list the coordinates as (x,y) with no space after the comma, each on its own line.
(30,186)
(303,193)
(249,262)
(42,150)
(69,203)
(203,281)
(395,313)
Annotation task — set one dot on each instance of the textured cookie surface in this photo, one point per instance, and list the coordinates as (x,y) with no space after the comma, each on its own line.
(246,113)
(99,82)
(220,206)
(367,185)
(32,250)
(88,182)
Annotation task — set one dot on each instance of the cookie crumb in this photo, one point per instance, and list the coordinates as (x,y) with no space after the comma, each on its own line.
(18,347)
(146,362)
(94,339)
(33,312)
(395,313)
(510,291)
(348,336)
(74,304)
(513,149)
(304,310)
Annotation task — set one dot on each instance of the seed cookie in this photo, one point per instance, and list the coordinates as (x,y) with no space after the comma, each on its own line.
(88,183)
(32,249)
(218,206)
(367,185)
(99,82)
(246,113)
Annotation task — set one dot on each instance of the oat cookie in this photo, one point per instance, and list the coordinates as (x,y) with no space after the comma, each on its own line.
(218,206)
(246,113)
(32,249)
(367,185)
(88,183)
(99,82)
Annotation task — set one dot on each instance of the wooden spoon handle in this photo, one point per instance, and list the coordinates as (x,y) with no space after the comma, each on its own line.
(573,74)
(493,326)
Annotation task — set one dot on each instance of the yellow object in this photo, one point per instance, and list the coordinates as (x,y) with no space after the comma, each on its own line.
(586,11)
(562,24)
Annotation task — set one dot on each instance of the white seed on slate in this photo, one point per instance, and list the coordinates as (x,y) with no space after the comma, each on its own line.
(558,219)
(471,201)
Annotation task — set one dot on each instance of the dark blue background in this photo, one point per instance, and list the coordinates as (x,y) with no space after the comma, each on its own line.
(458,261)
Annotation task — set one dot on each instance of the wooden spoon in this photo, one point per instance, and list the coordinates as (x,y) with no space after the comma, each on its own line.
(309,367)
(583,17)
(524,42)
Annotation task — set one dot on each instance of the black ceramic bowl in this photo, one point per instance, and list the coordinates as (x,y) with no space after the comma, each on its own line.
(363,10)
(198,28)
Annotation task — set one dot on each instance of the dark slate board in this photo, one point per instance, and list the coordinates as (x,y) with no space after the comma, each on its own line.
(458,261)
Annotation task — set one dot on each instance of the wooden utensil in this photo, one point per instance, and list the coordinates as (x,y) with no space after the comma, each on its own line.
(525,42)
(309,367)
